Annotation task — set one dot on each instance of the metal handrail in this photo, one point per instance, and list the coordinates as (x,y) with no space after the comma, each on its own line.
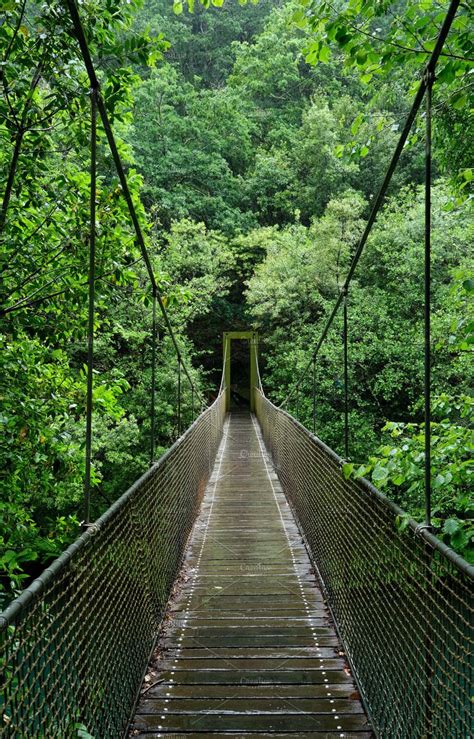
(76,643)
(401,599)
(456,559)
(11,612)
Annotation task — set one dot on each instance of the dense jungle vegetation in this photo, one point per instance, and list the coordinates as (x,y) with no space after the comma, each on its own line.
(256,137)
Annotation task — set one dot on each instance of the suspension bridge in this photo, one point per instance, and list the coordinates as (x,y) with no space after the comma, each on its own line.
(297,607)
(243,586)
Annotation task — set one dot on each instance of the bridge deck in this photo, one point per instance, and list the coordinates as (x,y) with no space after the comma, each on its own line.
(249,647)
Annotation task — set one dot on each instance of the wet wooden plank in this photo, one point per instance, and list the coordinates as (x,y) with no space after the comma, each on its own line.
(284,592)
(251,706)
(255,677)
(250,573)
(257,722)
(248,646)
(222,692)
(253,652)
(311,616)
(213,662)
(260,735)
(242,614)
(290,596)
(255,641)
(287,632)
(245,623)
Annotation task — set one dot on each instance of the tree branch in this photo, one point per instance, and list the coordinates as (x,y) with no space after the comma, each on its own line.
(22,128)
(15,33)
(21,304)
(380,40)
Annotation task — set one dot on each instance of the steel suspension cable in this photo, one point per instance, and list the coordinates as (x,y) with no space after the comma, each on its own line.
(98,106)
(179,399)
(95,85)
(428,75)
(153,382)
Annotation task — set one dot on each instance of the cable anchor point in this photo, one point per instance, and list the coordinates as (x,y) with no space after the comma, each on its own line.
(424,527)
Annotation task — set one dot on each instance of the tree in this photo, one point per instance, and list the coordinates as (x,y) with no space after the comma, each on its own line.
(44,232)
(377,40)
(191,165)
(291,292)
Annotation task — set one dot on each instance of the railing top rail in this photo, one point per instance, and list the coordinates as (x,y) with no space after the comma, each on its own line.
(401,599)
(9,615)
(459,562)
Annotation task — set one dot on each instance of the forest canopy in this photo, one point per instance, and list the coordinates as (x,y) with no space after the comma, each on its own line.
(255,137)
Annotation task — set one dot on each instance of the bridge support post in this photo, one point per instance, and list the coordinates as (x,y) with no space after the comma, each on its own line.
(153,380)
(226,360)
(346,378)
(253,368)
(91,306)
(179,398)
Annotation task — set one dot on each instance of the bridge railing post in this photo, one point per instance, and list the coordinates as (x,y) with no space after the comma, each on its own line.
(179,398)
(427,298)
(314,395)
(346,376)
(153,380)
(91,305)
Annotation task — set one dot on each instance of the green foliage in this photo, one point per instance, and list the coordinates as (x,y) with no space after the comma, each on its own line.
(193,175)
(378,40)
(397,468)
(375,38)
(82,732)
(44,233)
(257,171)
(263,138)
(304,267)
(202,41)
(295,286)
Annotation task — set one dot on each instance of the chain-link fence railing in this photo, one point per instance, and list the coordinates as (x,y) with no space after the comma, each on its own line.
(76,643)
(402,601)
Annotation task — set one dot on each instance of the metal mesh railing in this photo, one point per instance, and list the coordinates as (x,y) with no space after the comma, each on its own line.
(401,600)
(77,641)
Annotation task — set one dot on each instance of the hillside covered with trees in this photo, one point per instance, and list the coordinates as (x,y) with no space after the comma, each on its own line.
(256,137)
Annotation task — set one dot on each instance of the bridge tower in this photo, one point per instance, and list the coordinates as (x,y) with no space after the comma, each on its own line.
(251,338)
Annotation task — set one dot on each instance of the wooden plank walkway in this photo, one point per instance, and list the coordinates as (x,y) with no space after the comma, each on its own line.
(248,648)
